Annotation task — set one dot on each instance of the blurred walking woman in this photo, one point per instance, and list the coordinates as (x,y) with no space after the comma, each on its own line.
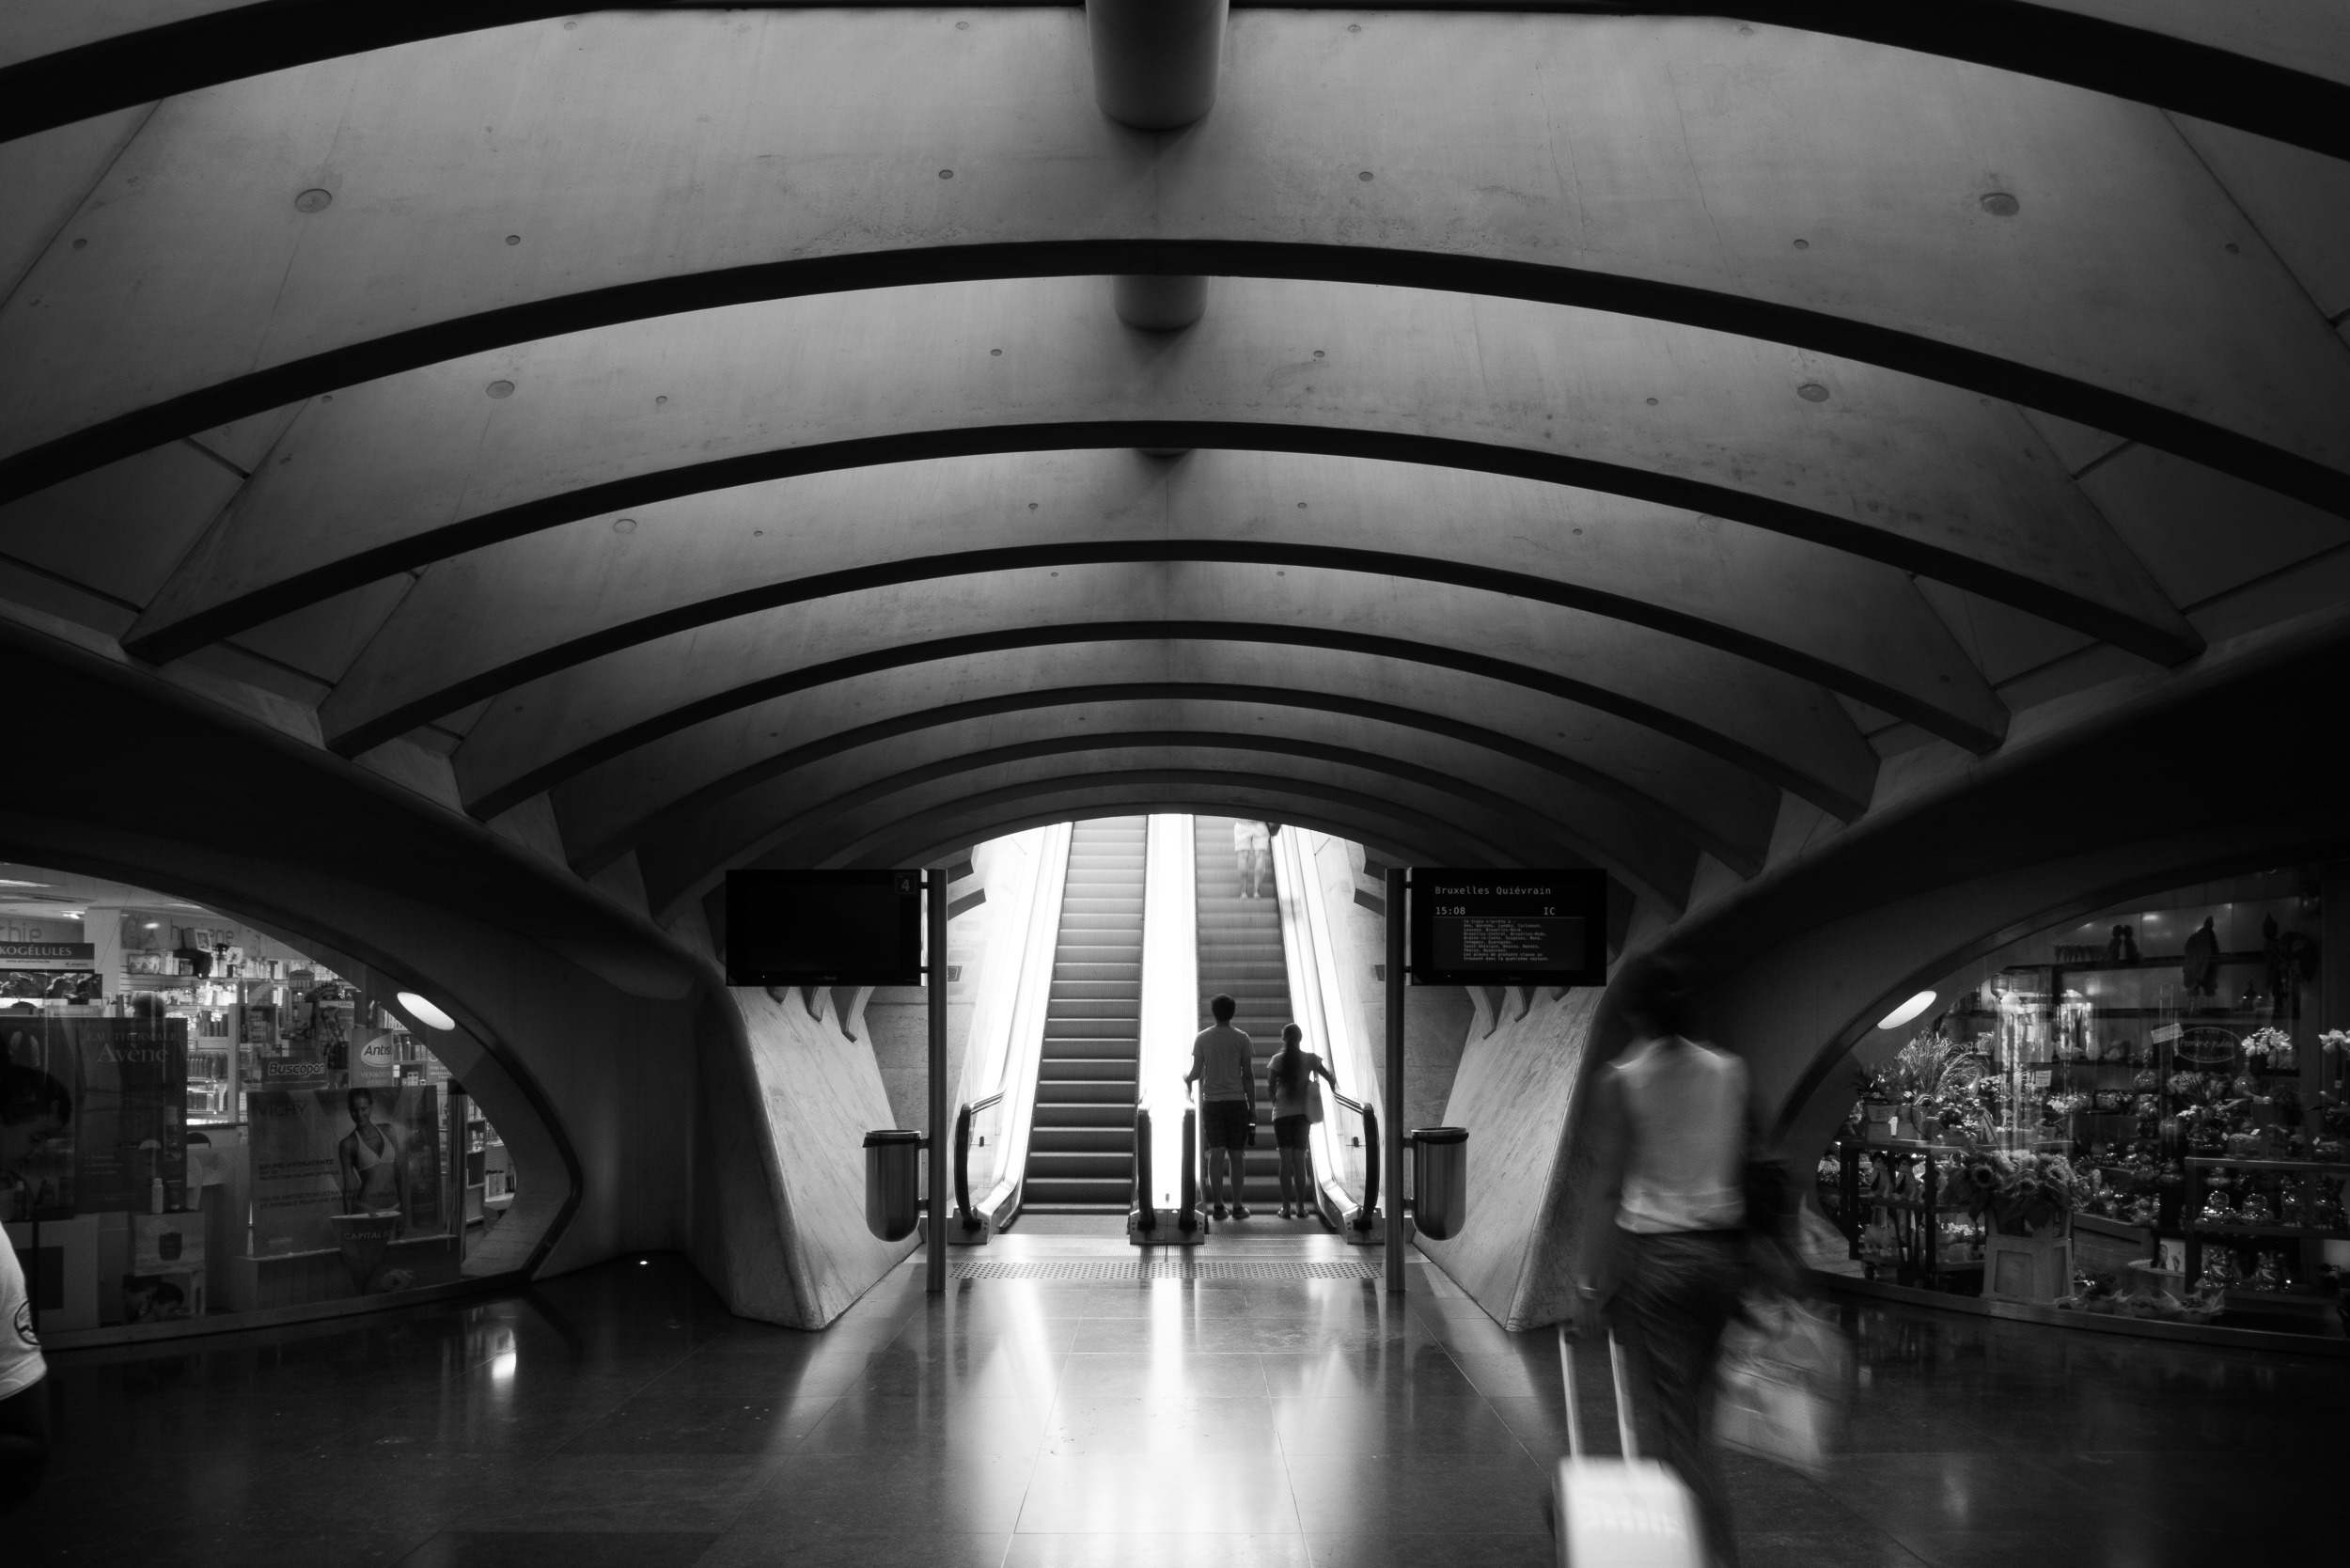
(1297,1106)
(1672,1127)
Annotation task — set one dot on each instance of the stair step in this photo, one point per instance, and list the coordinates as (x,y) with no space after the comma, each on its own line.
(1074,1140)
(1085,1115)
(1061,1069)
(1105,1093)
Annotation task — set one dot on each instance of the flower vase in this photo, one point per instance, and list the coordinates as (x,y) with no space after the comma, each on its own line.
(2034,1268)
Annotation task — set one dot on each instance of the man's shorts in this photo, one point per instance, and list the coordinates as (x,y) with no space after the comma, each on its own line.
(1224,1124)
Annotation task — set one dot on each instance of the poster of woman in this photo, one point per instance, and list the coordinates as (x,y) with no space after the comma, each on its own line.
(323,1152)
(372,1161)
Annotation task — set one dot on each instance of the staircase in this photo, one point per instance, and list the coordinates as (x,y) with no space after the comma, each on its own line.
(1241,957)
(1081,1143)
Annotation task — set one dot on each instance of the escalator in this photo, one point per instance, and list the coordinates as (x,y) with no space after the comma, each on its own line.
(1081,1140)
(1241,957)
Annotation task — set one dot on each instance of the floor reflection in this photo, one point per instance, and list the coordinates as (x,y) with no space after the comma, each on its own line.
(622,1415)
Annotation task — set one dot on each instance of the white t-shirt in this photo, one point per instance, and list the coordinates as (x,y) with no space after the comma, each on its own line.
(1687,1108)
(20,1365)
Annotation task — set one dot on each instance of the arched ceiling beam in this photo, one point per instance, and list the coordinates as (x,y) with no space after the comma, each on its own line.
(1434,820)
(1495,821)
(1207,733)
(923,838)
(696,773)
(2110,279)
(470,452)
(491,619)
(1788,730)
(2280,69)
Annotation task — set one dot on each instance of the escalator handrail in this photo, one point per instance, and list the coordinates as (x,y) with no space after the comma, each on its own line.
(1187,1217)
(1360,1219)
(963,1168)
(1144,1208)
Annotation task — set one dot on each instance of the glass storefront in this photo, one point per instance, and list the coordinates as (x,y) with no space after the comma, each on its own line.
(2143,1114)
(198,1119)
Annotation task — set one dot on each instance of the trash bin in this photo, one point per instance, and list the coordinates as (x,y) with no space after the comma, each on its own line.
(893,1182)
(1439,1179)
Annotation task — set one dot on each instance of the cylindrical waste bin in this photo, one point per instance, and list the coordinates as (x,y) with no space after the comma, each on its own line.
(893,1182)
(1439,1179)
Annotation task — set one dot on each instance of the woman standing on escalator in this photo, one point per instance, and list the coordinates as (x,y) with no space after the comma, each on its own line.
(1296,1107)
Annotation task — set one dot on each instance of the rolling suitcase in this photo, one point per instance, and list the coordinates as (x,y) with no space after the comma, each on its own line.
(1627,1512)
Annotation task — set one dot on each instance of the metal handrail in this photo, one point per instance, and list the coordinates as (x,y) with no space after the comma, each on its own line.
(971,1222)
(1364,1216)
(1187,1217)
(1145,1210)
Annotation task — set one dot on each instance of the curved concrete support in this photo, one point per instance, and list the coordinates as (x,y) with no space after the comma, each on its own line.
(1644,857)
(489,619)
(1496,830)
(1788,730)
(662,789)
(1155,62)
(883,838)
(472,451)
(191,290)
(2281,70)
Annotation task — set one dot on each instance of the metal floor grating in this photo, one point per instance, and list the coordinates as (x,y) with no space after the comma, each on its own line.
(1117,1270)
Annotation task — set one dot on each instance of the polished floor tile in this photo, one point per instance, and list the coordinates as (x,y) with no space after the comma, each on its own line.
(620,1416)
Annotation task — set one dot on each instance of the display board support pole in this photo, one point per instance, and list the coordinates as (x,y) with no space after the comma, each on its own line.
(934,881)
(1394,1107)
(459,1145)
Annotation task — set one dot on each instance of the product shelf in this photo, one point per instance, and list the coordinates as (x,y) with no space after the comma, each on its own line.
(2206,1228)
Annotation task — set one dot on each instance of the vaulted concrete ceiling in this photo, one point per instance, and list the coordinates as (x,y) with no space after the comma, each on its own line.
(691,437)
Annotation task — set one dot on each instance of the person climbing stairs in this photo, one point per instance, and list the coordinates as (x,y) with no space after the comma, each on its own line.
(1241,957)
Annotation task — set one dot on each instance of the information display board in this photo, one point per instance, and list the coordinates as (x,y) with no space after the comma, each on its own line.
(1509,928)
(823,928)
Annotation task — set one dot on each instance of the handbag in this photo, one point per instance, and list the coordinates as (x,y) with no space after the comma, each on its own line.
(1781,1386)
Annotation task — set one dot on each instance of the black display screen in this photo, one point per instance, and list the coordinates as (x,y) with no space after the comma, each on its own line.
(823,928)
(1509,928)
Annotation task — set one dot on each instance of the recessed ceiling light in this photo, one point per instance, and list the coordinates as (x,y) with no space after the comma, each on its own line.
(424,1013)
(1908,1011)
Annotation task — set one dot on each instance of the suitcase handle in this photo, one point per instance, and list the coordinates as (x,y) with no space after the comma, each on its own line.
(1624,1396)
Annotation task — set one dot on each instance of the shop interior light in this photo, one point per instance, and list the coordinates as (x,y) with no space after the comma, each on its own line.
(424,1013)
(1908,1011)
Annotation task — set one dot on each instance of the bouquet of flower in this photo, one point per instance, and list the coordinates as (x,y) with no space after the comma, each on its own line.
(2271,1046)
(1945,1079)
(2019,1190)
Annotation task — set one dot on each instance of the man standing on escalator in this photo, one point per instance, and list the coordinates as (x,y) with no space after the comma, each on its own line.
(1223,1065)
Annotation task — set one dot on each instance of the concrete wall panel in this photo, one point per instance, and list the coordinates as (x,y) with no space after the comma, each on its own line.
(1516,1092)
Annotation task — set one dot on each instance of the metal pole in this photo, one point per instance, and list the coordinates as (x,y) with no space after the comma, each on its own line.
(935,1284)
(1394,1107)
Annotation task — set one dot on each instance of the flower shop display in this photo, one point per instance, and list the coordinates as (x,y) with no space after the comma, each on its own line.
(2166,1101)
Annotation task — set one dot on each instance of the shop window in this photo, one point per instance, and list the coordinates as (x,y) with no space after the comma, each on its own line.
(200,1120)
(2142,1113)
